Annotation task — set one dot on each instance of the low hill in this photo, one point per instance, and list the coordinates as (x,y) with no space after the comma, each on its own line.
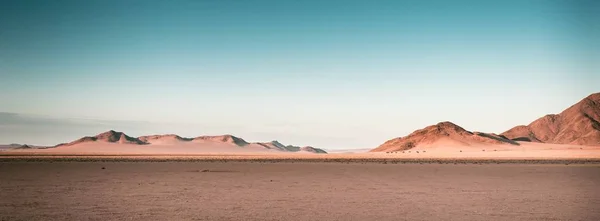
(442,134)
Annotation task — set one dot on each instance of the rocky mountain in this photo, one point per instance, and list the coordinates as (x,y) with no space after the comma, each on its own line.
(442,134)
(578,124)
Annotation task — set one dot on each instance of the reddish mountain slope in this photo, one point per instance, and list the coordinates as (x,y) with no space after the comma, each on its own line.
(442,134)
(578,124)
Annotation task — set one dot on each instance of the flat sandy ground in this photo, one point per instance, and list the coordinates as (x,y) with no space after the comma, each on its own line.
(297,191)
(194,150)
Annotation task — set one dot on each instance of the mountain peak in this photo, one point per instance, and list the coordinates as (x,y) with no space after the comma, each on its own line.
(277,144)
(442,133)
(446,124)
(110,136)
(594,97)
(579,124)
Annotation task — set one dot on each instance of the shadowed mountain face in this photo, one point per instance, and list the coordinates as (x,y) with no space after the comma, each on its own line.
(272,145)
(290,148)
(444,133)
(19,147)
(172,139)
(578,124)
(312,149)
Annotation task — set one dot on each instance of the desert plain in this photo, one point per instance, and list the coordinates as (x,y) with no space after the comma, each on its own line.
(112,181)
(227,189)
(222,181)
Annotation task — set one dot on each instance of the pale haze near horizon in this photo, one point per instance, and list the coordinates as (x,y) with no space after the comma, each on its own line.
(333,75)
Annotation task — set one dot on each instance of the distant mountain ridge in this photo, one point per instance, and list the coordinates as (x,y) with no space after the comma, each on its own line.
(276,145)
(112,136)
(15,146)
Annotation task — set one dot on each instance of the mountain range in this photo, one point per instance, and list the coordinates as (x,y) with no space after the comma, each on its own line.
(114,137)
(576,125)
(579,124)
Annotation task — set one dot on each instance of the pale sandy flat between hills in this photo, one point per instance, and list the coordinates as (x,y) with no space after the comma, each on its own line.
(523,151)
(297,191)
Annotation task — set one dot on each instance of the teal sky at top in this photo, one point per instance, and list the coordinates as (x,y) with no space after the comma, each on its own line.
(324,73)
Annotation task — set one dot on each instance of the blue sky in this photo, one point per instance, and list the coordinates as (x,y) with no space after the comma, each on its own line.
(332,74)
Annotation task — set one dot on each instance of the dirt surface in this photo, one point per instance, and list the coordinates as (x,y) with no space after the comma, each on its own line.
(524,151)
(297,191)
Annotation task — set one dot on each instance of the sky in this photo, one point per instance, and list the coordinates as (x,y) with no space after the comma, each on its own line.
(330,74)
